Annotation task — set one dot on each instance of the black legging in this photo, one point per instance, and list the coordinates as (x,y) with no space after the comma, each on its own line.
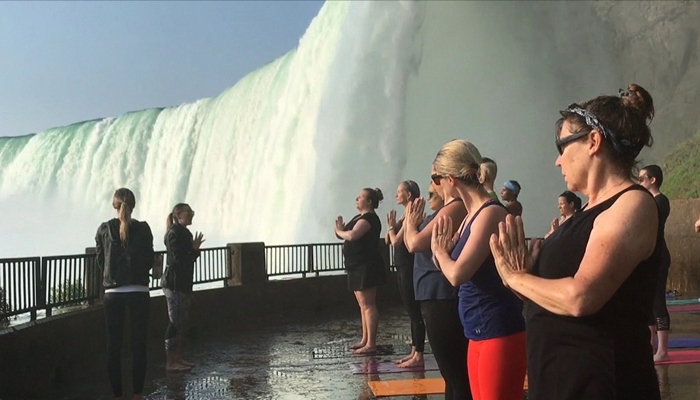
(115,305)
(449,346)
(662,319)
(405,278)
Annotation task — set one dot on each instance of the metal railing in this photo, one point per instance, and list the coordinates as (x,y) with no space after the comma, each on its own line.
(211,266)
(32,284)
(19,280)
(304,259)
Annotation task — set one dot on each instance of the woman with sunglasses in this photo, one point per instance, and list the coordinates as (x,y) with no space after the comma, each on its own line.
(183,251)
(491,315)
(591,286)
(438,298)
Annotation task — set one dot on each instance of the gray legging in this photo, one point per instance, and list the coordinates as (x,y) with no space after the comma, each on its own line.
(178,308)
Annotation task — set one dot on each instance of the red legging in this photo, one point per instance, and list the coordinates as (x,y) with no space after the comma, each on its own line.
(497,367)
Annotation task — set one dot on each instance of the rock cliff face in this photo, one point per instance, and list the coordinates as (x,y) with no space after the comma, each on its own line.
(657,44)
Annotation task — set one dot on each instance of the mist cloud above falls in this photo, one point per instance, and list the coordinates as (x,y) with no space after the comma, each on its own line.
(496,74)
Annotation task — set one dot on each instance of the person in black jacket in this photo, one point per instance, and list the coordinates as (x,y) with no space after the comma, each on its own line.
(125,256)
(183,251)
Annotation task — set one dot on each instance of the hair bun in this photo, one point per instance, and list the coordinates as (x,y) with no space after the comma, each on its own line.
(637,97)
(380,196)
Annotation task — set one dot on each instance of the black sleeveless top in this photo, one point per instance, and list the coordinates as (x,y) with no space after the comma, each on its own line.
(364,251)
(606,355)
(403,259)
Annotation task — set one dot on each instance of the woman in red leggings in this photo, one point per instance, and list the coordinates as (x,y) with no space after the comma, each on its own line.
(491,314)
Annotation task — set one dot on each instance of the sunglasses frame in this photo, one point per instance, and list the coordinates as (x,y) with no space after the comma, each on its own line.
(562,143)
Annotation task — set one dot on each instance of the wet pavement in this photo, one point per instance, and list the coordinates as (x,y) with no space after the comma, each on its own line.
(306,357)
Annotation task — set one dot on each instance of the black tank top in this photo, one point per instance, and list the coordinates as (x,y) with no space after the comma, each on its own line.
(402,257)
(606,355)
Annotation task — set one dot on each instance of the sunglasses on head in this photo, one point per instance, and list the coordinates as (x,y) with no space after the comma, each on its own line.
(562,143)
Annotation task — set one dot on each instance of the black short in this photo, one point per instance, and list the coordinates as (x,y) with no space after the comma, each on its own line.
(363,277)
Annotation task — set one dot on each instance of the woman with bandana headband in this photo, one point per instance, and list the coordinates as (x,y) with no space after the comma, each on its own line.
(590,285)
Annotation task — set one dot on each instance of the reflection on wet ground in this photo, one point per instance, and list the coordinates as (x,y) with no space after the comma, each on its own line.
(307,358)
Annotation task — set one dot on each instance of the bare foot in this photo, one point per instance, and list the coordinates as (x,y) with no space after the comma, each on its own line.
(661,357)
(177,367)
(357,345)
(403,360)
(365,351)
(187,363)
(416,361)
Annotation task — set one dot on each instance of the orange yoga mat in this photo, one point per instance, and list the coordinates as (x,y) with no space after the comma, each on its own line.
(411,387)
(407,387)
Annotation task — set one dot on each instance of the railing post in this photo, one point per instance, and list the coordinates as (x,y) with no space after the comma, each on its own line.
(233,265)
(93,283)
(39,289)
(385,250)
(41,300)
(310,267)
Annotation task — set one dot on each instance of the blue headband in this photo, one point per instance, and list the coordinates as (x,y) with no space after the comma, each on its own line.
(512,187)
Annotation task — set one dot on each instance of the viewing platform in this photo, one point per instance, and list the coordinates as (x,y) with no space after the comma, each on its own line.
(274,322)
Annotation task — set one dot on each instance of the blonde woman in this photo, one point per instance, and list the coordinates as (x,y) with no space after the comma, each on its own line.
(491,314)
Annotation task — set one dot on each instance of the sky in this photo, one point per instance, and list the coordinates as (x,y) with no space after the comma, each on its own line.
(66,62)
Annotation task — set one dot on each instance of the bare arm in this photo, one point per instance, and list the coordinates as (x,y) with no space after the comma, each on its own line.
(397,237)
(361,227)
(475,251)
(622,237)
(420,241)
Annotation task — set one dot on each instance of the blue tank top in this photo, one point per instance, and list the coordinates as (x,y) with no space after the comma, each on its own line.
(486,307)
(428,282)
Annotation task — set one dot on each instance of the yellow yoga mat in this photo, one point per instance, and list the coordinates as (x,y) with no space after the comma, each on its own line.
(411,387)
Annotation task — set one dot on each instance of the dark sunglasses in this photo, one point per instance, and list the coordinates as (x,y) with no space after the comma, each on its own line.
(431,195)
(436,178)
(562,143)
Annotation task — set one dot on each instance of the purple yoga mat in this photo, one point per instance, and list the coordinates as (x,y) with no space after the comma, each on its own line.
(388,367)
(680,343)
(684,308)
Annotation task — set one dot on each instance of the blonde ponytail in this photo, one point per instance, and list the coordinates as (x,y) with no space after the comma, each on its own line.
(124,221)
